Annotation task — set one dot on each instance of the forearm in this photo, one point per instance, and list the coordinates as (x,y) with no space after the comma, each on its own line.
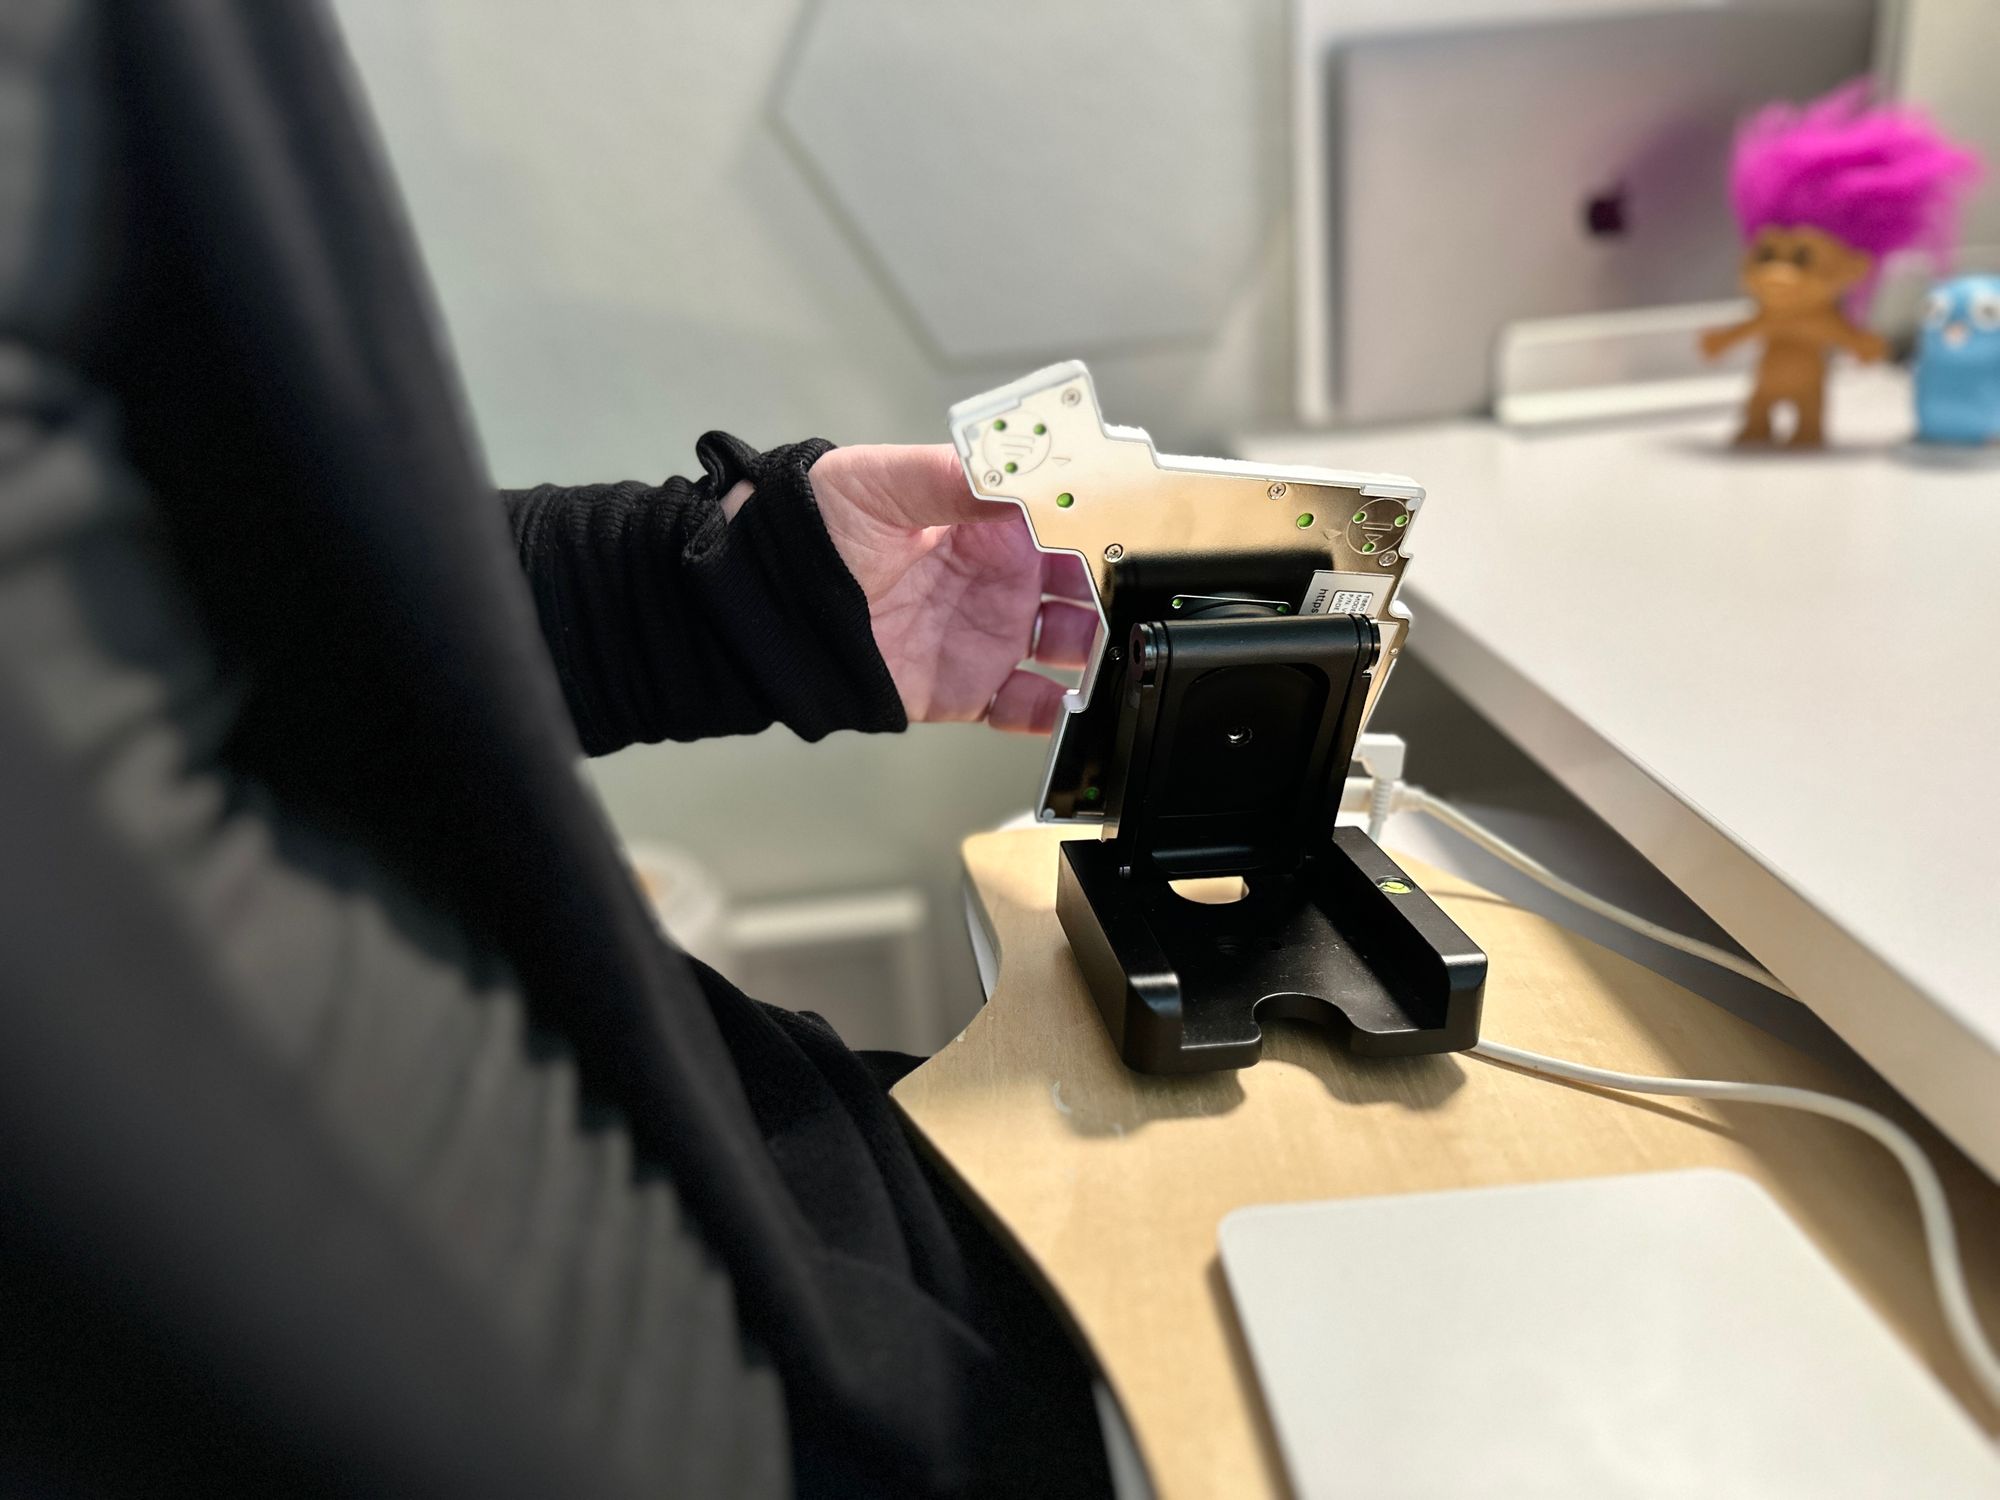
(702,607)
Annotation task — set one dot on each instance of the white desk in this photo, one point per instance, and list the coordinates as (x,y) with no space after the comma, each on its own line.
(1777,675)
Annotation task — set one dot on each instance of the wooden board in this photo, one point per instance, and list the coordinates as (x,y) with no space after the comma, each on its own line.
(1112,1184)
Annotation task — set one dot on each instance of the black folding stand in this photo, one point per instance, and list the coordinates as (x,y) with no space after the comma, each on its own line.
(1234,739)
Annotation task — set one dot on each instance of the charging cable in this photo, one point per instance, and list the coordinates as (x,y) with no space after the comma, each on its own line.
(1933,1208)
(1416,799)
(1947,1268)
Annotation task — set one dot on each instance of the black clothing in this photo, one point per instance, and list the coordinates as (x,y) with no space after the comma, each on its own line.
(761,625)
(359,1131)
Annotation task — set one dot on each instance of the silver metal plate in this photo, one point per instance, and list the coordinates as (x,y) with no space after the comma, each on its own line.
(1103,493)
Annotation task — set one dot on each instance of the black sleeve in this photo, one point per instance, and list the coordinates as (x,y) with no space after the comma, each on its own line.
(667,621)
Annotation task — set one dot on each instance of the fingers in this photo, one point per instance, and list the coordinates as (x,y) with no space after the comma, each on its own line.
(917,485)
(1027,703)
(1064,634)
(1064,575)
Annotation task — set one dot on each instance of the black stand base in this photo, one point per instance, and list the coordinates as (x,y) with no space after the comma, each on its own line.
(1234,736)
(1346,940)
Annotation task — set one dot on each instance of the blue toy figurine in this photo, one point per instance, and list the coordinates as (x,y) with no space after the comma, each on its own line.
(1958,363)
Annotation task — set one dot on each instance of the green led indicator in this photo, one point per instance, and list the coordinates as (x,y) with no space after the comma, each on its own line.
(999,424)
(1284,609)
(1011,466)
(1403,520)
(1091,794)
(1040,429)
(1065,500)
(1360,516)
(1177,602)
(1367,547)
(1305,520)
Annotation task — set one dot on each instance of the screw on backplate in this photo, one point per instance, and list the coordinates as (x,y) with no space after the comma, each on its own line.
(992,476)
(1394,887)
(1072,396)
(1276,491)
(1115,551)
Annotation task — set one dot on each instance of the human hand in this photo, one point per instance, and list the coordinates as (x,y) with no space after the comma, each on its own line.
(955,587)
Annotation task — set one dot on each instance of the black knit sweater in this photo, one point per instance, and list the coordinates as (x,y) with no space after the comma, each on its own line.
(359,1131)
(668,622)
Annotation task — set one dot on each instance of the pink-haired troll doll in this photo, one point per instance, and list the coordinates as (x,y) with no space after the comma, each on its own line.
(1824,193)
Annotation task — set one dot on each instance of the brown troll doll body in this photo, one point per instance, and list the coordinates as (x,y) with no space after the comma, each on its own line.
(1799,279)
(1823,194)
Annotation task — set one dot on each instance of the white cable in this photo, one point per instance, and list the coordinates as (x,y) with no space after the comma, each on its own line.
(1416,799)
(1381,802)
(1947,1269)
(1934,1209)
(1382,756)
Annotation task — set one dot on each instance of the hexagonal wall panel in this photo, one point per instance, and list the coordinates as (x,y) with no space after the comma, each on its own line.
(1045,176)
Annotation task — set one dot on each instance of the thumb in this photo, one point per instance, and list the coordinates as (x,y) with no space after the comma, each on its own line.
(906,485)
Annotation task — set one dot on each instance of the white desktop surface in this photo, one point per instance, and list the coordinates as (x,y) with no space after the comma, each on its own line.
(1776,674)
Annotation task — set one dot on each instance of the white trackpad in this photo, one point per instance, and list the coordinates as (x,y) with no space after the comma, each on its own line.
(1668,1334)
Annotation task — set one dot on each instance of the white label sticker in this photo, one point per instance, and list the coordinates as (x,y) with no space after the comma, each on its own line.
(1325,596)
